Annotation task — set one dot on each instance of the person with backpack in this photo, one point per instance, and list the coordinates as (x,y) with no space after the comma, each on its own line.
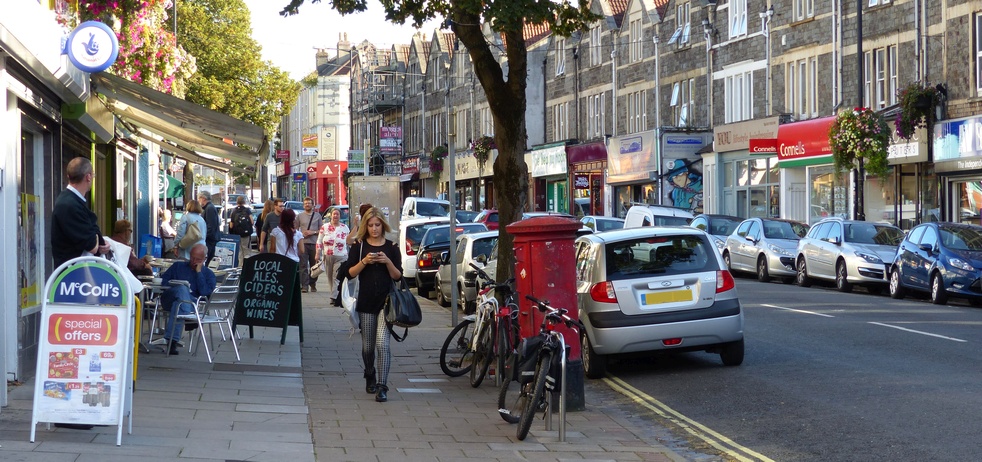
(240,222)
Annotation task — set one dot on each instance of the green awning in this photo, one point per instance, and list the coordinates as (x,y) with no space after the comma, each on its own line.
(170,187)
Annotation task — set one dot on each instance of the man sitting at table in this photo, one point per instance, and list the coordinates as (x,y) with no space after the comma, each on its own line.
(201,282)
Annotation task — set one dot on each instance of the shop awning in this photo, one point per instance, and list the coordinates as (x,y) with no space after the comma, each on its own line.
(804,143)
(187,125)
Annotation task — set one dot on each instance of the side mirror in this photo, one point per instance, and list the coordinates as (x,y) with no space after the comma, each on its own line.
(445,257)
(750,238)
(835,240)
(482,259)
(926,247)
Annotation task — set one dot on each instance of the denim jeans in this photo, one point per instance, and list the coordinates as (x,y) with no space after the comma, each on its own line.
(179,299)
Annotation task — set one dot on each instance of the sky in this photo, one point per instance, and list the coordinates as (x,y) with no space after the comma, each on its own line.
(290,42)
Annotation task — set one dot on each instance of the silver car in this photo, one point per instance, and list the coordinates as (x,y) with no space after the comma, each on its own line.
(471,248)
(765,246)
(848,252)
(655,289)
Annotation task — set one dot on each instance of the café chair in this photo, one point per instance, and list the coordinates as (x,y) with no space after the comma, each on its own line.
(219,308)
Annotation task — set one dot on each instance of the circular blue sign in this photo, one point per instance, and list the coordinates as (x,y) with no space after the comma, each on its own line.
(92,47)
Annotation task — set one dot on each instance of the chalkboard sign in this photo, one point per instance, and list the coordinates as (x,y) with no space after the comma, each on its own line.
(269,294)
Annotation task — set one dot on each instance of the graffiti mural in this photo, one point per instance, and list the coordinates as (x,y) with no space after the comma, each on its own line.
(683,185)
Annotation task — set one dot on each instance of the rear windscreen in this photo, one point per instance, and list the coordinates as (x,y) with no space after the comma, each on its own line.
(657,256)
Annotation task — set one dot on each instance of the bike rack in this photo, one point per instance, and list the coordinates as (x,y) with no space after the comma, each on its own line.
(562,395)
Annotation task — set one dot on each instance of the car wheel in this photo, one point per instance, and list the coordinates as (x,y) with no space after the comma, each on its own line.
(841,278)
(440,298)
(762,274)
(802,277)
(732,353)
(726,261)
(896,289)
(462,303)
(594,365)
(939,295)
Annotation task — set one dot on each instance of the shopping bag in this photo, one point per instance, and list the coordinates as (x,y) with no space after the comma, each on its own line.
(402,309)
(349,297)
(317,270)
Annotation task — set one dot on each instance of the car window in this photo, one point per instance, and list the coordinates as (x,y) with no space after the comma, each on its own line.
(671,221)
(930,237)
(432,209)
(607,225)
(483,247)
(589,223)
(646,222)
(414,234)
(869,233)
(800,229)
(915,235)
(835,232)
(585,259)
(783,230)
(722,226)
(700,223)
(821,231)
(459,254)
(492,218)
(962,238)
(744,228)
(754,230)
(442,234)
(657,256)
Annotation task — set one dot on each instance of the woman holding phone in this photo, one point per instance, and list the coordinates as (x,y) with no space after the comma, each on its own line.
(376,262)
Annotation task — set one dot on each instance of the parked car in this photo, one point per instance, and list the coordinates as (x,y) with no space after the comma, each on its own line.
(765,246)
(943,259)
(465,216)
(433,245)
(656,215)
(345,214)
(297,206)
(471,248)
(488,218)
(420,207)
(600,224)
(410,234)
(655,289)
(848,252)
(718,226)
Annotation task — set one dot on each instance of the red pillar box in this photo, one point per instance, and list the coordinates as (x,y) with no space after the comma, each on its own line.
(545,267)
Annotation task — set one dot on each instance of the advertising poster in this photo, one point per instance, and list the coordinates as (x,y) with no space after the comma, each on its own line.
(30,280)
(227,251)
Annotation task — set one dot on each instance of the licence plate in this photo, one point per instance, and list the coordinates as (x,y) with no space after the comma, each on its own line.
(666,296)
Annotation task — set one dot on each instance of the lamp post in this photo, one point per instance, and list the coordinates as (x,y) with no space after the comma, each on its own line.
(858,192)
(708,30)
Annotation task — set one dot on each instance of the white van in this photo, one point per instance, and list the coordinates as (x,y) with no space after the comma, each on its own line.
(656,215)
(422,207)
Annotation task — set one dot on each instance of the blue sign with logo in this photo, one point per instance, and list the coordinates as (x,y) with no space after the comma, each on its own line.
(89,283)
(92,47)
(299,177)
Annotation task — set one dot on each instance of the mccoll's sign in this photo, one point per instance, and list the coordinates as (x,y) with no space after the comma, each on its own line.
(89,283)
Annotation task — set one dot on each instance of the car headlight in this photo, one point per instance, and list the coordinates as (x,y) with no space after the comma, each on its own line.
(779,250)
(869,257)
(960,264)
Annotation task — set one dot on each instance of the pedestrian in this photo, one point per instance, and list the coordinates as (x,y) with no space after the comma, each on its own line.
(376,263)
(285,239)
(210,214)
(270,222)
(362,210)
(192,215)
(74,227)
(167,232)
(331,248)
(267,209)
(309,223)
(240,223)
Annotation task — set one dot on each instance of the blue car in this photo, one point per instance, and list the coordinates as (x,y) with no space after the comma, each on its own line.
(942,259)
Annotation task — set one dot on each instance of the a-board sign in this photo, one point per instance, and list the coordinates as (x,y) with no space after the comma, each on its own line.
(84,364)
(269,293)
(227,251)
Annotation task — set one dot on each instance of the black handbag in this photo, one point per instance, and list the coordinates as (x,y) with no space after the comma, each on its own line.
(402,309)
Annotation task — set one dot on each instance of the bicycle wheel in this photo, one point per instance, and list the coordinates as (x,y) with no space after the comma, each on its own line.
(456,355)
(503,347)
(538,391)
(512,396)
(484,352)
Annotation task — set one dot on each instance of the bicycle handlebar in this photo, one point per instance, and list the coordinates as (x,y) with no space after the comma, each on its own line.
(558,313)
(489,281)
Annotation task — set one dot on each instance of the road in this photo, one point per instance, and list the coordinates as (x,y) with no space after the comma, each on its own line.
(829,377)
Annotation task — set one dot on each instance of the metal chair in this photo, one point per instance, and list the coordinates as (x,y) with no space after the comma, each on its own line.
(218,308)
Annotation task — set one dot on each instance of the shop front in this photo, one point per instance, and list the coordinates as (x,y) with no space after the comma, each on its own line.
(814,190)
(632,171)
(587,164)
(475,190)
(550,182)
(958,162)
(326,179)
(909,195)
(741,177)
(283,180)
(411,185)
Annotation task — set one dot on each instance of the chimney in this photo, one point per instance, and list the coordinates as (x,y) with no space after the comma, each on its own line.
(344,46)
(322,58)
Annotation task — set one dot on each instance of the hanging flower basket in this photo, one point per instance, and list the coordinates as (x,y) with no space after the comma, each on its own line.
(436,161)
(860,134)
(482,149)
(917,104)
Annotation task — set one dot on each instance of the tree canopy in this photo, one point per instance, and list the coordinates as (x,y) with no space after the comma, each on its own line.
(505,93)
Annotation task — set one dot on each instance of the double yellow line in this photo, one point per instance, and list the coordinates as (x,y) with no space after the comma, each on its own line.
(712,438)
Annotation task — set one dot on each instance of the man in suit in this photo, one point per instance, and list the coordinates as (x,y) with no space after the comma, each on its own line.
(75,228)
(210,214)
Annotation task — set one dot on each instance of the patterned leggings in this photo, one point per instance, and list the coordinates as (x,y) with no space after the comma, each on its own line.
(375,337)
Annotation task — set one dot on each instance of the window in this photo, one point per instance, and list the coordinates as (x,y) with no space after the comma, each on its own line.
(683,102)
(739,97)
(978,54)
(738,18)
(560,56)
(437,136)
(880,68)
(637,117)
(487,122)
(804,9)
(636,51)
(595,115)
(437,71)
(801,99)
(560,123)
(873,3)
(595,56)
(461,130)
(682,28)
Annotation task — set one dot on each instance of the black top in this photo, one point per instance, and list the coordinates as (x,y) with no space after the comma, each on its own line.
(74,228)
(211,220)
(374,282)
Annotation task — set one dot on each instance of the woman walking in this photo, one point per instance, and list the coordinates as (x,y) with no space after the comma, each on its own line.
(376,262)
(267,209)
(332,249)
(285,238)
(192,214)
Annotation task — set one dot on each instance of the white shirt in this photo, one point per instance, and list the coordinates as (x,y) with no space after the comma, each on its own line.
(281,244)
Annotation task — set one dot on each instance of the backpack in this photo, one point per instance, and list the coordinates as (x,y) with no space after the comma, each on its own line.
(241,222)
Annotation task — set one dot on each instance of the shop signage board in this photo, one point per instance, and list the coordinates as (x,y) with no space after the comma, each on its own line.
(804,143)
(547,161)
(309,144)
(958,144)
(269,294)
(92,47)
(227,250)
(85,361)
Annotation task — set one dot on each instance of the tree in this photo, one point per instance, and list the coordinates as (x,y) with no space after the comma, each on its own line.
(232,78)
(505,88)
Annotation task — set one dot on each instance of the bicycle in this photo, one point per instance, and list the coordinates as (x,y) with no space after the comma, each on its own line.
(548,349)
(464,346)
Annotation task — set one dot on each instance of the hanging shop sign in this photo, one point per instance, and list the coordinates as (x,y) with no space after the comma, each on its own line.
(958,144)
(282,153)
(804,143)
(547,161)
(92,47)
